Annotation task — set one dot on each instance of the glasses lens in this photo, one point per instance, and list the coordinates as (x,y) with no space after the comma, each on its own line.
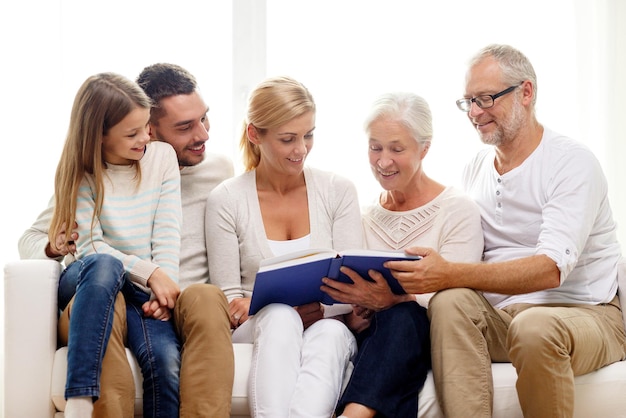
(484,101)
(464,104)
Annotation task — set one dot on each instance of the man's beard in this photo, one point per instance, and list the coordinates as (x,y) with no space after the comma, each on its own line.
(508,130)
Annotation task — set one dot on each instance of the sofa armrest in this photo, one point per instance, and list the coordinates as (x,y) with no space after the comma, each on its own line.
(30,336)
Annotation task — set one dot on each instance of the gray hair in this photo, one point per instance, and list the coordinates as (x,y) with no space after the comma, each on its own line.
(515,66)
(409,109)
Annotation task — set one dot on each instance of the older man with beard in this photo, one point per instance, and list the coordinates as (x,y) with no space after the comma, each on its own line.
(545,295)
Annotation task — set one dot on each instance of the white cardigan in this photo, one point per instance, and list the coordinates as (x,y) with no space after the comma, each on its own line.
(235,234)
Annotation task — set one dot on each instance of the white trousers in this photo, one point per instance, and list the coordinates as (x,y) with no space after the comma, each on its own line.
(295,374)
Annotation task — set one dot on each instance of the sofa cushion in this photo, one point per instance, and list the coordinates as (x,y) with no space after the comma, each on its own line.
(598,394)
(243,355)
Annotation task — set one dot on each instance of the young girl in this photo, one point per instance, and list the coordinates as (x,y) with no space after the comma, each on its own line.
(279,205)
(127,217)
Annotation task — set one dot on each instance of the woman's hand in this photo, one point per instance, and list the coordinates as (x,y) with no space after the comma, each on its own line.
(238,310)
(310,313)
(359,319)
(376,295)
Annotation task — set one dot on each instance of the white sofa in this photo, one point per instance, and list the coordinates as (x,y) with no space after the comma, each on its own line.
(34,369)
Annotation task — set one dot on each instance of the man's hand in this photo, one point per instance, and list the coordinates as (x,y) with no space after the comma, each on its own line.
(429,274)
(156,311)
(310,313)
(59,248)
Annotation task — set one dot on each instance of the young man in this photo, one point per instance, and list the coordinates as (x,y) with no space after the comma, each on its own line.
(179,117)
(545,296)
(200,314)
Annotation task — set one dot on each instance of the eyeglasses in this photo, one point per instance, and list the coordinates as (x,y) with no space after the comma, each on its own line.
(485,101)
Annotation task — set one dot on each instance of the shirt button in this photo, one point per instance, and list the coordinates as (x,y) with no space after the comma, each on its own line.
(567,252)
(498,193)
(499,180)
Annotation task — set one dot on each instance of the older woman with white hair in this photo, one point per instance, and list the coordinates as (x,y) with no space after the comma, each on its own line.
(393,330)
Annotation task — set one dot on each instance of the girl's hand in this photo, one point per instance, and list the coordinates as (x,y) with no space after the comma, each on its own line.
(165,293)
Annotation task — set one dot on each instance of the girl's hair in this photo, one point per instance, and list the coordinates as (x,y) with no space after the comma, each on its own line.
(409,109)
(102,102)
(271,104)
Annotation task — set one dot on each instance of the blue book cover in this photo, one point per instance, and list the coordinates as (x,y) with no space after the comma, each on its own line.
(295,279)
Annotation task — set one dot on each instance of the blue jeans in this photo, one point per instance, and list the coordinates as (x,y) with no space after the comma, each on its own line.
(392,363)
(157,349)
(94,282)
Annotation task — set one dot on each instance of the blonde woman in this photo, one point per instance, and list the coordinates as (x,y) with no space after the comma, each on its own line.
(280,205)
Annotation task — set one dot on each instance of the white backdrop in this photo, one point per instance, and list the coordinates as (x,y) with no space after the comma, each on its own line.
(346,52)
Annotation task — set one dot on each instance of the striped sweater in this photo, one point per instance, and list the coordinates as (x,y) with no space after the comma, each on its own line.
(140,224)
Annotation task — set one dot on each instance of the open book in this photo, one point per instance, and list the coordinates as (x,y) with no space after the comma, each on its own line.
(295,278)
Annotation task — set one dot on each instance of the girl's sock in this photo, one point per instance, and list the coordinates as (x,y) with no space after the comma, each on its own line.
(79,407)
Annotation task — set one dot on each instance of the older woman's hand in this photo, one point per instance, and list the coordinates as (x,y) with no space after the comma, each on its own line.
(374,295)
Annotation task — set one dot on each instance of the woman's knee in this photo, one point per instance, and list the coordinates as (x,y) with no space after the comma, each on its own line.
(332,336)
(278,322)
(404,322)
(277,313)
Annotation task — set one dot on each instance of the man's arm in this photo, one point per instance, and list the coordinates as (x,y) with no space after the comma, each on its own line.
(433,273)
(34,244)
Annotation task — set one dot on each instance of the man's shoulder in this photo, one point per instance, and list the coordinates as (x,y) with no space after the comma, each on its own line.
(199,180)
(560,150)
(215,159)
(158,149)
(215,167)
(562,142)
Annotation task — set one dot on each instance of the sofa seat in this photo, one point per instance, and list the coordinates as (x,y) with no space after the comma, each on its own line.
(243,355)
(35,369)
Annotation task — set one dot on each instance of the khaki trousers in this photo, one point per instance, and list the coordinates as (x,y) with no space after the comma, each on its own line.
(547,344)
(207,360)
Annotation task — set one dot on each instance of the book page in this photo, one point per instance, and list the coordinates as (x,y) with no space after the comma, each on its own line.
(296,257)
(380,253)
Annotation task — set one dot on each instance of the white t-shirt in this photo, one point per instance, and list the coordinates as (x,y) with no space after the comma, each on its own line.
(555,203)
